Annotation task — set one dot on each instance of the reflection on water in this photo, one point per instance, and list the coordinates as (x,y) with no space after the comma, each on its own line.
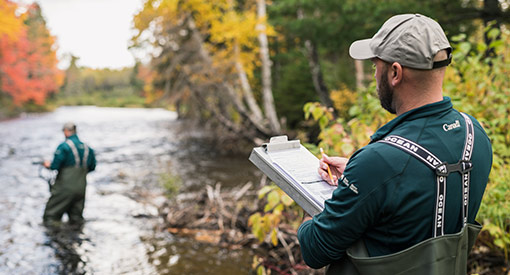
(134,147)
(184,256)
(67,242)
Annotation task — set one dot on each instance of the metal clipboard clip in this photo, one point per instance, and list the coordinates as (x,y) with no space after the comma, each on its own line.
(280,143)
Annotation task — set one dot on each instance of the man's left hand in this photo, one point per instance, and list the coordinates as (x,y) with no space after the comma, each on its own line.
(306,218)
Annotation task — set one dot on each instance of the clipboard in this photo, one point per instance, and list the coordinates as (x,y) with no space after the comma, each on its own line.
(280,160)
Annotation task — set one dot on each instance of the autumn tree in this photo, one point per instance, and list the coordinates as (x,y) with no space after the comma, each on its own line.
(12,44)
(208,58)
(43,74)
(28,62)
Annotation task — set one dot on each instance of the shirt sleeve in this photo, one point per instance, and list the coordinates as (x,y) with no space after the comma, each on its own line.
(59,157)
(355,205)
(91,162)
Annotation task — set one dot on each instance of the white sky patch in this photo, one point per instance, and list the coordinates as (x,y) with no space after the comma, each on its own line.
(96,31)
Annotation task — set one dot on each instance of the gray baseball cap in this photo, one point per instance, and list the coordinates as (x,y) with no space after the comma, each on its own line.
(409,39)
(69,126)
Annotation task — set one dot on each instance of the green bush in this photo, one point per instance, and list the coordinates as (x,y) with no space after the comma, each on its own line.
(171,183)
(479,84)
(117,97)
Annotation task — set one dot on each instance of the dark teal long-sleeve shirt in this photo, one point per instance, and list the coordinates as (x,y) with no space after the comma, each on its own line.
(388,197)
(64,156)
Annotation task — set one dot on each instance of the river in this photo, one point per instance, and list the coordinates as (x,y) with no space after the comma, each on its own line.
(134,147)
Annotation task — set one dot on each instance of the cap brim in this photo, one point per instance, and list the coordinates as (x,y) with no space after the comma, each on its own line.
(361,49)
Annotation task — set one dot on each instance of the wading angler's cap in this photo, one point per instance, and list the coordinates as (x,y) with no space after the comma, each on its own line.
(69,126)
(409,39)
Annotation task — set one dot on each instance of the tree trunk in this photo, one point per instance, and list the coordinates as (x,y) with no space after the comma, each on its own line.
(267,94)
(318,81)
(315,69)
(360,74)
(245,86)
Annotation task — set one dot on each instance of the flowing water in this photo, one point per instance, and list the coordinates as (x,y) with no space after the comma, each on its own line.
(134,147)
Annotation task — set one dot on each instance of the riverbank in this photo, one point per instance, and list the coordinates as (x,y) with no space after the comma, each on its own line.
(116,98)
(220,217)
(8,110)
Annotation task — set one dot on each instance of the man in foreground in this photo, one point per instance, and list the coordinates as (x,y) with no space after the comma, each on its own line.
(388,196)
(73,159)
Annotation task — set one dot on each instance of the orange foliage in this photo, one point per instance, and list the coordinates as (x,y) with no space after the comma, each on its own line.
(28,62)
(146,75)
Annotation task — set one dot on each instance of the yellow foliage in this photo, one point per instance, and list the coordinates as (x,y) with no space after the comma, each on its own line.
(343,99)
(205,12)
(232,33)
(10,24)
(168,6)
(265,226)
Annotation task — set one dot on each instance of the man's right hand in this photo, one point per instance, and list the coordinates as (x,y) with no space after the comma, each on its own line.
(336,165)
(47,164)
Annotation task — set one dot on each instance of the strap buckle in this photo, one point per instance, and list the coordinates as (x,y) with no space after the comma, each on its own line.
(444,169)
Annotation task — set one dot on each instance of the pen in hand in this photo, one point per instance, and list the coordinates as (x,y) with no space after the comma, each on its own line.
(329,170)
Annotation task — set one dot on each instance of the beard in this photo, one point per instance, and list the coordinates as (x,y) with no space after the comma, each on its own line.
(385,93)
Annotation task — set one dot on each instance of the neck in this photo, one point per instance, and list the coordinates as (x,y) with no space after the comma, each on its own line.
(410,99)
(419,89)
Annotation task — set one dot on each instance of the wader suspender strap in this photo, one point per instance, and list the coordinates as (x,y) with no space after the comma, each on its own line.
(77,156)
(442,169)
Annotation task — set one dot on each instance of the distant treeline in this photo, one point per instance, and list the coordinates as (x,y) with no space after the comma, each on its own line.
(102,87)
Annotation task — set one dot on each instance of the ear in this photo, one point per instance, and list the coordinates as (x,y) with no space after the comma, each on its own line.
(395,74)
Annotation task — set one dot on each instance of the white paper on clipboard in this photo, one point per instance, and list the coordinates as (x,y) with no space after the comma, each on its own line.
(301,166)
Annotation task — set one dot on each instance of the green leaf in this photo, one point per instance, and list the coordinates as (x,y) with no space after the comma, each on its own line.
(273,198)
(323,122)
(286,200)
(493,34)
(278,209)
(317,113)
(496,44)
(254,219)
(465,47)
(266,225)
(481,47)
(499,243)
(274,237)
(307,109)
(459,37)
(262,192)
(354,110)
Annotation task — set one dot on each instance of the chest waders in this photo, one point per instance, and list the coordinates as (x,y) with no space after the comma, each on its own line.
(68,192)
(441,254)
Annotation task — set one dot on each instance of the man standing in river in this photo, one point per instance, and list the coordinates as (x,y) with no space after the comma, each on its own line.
(413,193)
(73,159)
